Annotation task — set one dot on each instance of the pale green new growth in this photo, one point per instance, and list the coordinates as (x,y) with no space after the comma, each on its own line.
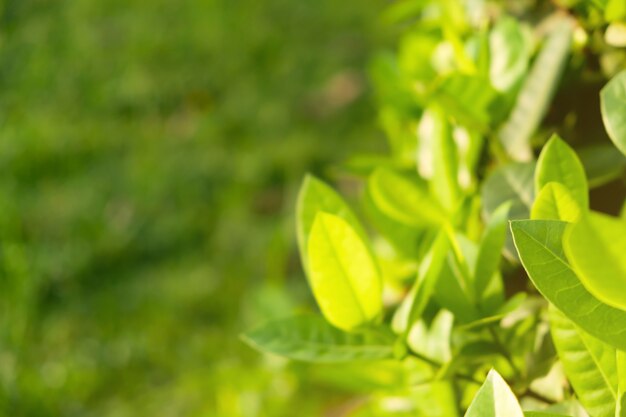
(559,163)
(596,247)
(342,273)
(555,202)
(315,196)
(539,244)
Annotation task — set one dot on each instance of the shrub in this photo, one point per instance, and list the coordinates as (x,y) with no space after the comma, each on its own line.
(425,308)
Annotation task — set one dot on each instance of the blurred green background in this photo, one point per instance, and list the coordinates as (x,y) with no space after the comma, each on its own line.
(149,154)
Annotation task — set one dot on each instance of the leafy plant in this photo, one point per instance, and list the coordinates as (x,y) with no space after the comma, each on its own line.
(431,287)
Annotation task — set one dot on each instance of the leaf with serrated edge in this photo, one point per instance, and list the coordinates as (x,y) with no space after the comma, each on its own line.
(343,275)
(539,244)
(310,338)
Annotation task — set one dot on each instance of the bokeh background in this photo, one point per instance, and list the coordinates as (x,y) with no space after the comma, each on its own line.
(150,151)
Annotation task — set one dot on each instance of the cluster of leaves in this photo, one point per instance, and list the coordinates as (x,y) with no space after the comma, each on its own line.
(426,302)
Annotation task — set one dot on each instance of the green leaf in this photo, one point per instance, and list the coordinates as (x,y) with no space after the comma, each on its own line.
(467,99)
(589,364)
(555,202)
(489,253)
(596,246)
(403,200)
(435,130)
(342,273)
(512,182)
(536,93)
(603,163)
(315,196)
(559,163)
(541,414)
(509,53)
(612,103)
(539,244)
(494,399)
(311,338)
(621,385)
(429,272)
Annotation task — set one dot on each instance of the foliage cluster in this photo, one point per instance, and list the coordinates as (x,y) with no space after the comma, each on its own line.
(428,299)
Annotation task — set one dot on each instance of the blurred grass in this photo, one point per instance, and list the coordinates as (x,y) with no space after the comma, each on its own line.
(149,155)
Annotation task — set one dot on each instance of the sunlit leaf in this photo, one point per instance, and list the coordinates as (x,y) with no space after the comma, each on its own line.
(315,196)
(596,247)
(342,273)
(589,364)
(539,244)
(555,202)
(559,163)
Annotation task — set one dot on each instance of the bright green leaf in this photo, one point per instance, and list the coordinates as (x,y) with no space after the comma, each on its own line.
(589,364)
(342,273)
(539,244)
(559,163)
(555,202)
(494,399)
(311,338)
(612,104)
(536,94)
(596,247)
(315,196)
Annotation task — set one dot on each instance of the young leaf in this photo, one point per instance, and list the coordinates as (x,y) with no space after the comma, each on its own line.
(310,338)
(541,414)
(612,103)
(315,196)
(342,273)
(490,249)
(596,246)
(559,163)
(403,200)
(589,364)
(539,244)
(536,93)
(433,342)
(555,202)
(494,399)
